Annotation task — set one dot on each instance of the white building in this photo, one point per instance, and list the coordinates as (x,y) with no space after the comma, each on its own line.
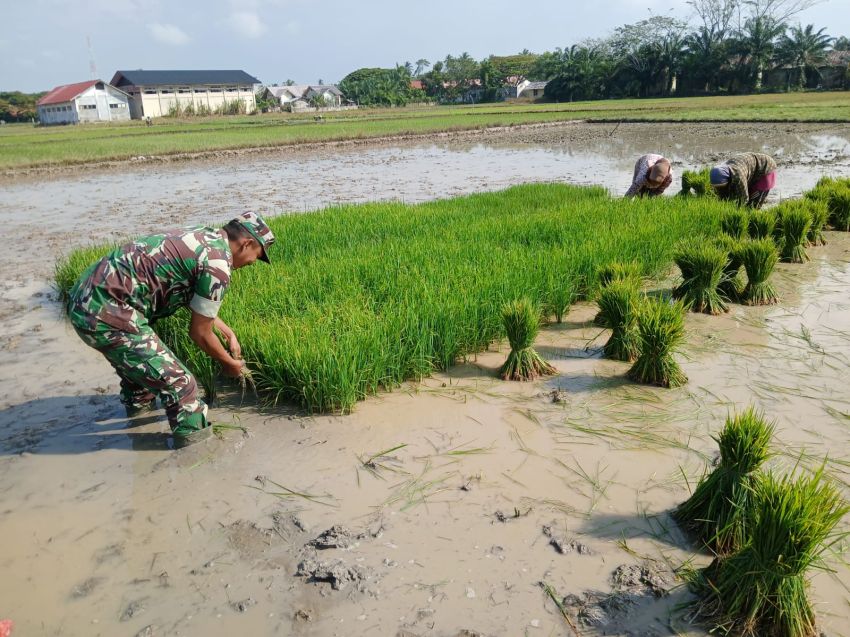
(158,93)
(92,101)
(534,90)
(304,95)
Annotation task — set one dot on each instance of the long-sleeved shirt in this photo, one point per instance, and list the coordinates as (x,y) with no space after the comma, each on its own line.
(747,169)
(639,180)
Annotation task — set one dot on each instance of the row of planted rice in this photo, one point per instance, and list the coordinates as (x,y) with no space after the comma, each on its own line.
(362,298)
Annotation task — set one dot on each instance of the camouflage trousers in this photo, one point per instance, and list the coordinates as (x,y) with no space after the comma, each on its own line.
(147,369)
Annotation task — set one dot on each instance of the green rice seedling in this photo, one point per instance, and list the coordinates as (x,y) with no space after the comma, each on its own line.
(702,266)
(616,271)
(732,282)
(735,223)
(697,183)
(522,320)
(838,203)
(795,222)
(819,213)
(716,512)
(762,589)
(619,306)
(661,328)
(761,224)
(759,258)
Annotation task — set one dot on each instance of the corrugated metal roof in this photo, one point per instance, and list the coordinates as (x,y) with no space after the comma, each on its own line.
(66,92)
(534,85)
(159,78)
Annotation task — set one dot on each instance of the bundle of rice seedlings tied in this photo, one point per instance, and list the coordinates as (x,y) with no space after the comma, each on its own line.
(762,588)
(838,202)
(795,222)
(732,283)
(619,306)
(702,265)
(661,328)
(819,213)
(616,271)
(522,321)
(761,224)
(759,258)
(735,223)
(716,512)
(697,183)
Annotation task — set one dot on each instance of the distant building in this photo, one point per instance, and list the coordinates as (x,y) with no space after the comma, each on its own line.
(301,96)
(832,73)
(158,93)
(92,101)
(533,90)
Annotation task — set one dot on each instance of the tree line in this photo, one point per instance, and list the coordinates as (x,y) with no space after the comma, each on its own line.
(726,47)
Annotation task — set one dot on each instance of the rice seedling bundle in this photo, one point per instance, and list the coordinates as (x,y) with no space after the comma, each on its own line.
(702,266)
(616,271)
(661,329)
(732,283)
(761,224)
(735,223)
(619,307)
(359,299)
(762,589)
(795,221)
(716,513)
(697,183)
(759,258)
(522,321)
(819,213)
(839,207)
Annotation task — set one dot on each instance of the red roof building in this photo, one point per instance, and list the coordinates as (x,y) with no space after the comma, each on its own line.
(91,101)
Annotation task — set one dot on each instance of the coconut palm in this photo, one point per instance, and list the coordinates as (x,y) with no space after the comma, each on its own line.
(804,48)
(421,66)
(756,44)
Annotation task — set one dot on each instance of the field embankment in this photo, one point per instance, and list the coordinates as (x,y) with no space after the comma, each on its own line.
(23,146)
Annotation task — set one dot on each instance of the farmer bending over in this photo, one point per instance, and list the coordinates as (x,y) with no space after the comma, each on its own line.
(653,174)
(116,301)
(746,178)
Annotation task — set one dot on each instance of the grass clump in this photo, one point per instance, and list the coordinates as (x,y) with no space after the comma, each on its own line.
(619,307)
(716,513)
(697,183)
(702,265)
(616,271)
(795,221)
(761,224)
(732,283)
(735,223)
(661,328)
(762,589)
(522,321)
(759,258)
(835,193)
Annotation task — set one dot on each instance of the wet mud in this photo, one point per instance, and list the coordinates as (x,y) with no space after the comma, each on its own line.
(450,507)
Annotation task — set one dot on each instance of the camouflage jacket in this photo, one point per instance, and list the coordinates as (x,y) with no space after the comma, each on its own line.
(747,168)
(152,277)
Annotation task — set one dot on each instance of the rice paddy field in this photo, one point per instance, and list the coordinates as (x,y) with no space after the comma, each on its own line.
(359,299)
(23,146)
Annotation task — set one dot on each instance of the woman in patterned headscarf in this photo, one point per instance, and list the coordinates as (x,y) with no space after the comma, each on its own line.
(653,174)
(746,178)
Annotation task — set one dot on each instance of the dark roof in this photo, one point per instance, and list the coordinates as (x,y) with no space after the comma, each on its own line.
(159,78)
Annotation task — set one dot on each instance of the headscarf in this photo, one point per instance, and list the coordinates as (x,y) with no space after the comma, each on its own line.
(658,173)
(721,175)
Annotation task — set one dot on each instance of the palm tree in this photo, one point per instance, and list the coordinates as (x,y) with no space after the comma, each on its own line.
(804,48)
(756,44)
(421,66)
(841,44)
(673,50)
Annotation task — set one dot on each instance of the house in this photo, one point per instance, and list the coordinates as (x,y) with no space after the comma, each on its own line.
(533,90)
(832,73)
(92,101)
(300,96)
(158,93)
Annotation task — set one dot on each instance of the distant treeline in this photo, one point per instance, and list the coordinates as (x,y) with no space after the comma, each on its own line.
(728,47)
(18,107)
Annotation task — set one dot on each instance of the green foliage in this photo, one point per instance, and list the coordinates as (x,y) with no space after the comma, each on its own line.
(521,319)
(762,589)
(377,87)
(19,107)
(619,307)
(661,329)
(794,222)
(759,258)
(358,299)
(735,223)
(697,183)
(762,224)
(835,193)
(702,266)
(732,284)
(717,512)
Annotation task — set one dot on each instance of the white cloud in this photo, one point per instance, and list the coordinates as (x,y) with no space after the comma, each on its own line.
(168,33)
(247,24)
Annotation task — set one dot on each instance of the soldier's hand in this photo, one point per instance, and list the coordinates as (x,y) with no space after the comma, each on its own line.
(234,369)
(234,347)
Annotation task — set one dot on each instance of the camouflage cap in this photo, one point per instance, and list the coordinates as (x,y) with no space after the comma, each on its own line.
(259,230)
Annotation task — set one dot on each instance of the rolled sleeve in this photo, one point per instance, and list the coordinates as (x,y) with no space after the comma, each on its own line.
(210,287)
(204,307)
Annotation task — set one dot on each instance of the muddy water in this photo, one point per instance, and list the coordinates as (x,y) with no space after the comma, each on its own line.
(108,532)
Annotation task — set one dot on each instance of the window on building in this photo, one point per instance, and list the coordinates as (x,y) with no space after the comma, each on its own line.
(150,92)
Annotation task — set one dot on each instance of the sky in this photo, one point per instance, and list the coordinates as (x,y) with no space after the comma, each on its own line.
(44,43)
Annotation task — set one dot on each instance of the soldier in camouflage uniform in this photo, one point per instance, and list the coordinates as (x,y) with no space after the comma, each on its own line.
(116,301)
(746,178)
